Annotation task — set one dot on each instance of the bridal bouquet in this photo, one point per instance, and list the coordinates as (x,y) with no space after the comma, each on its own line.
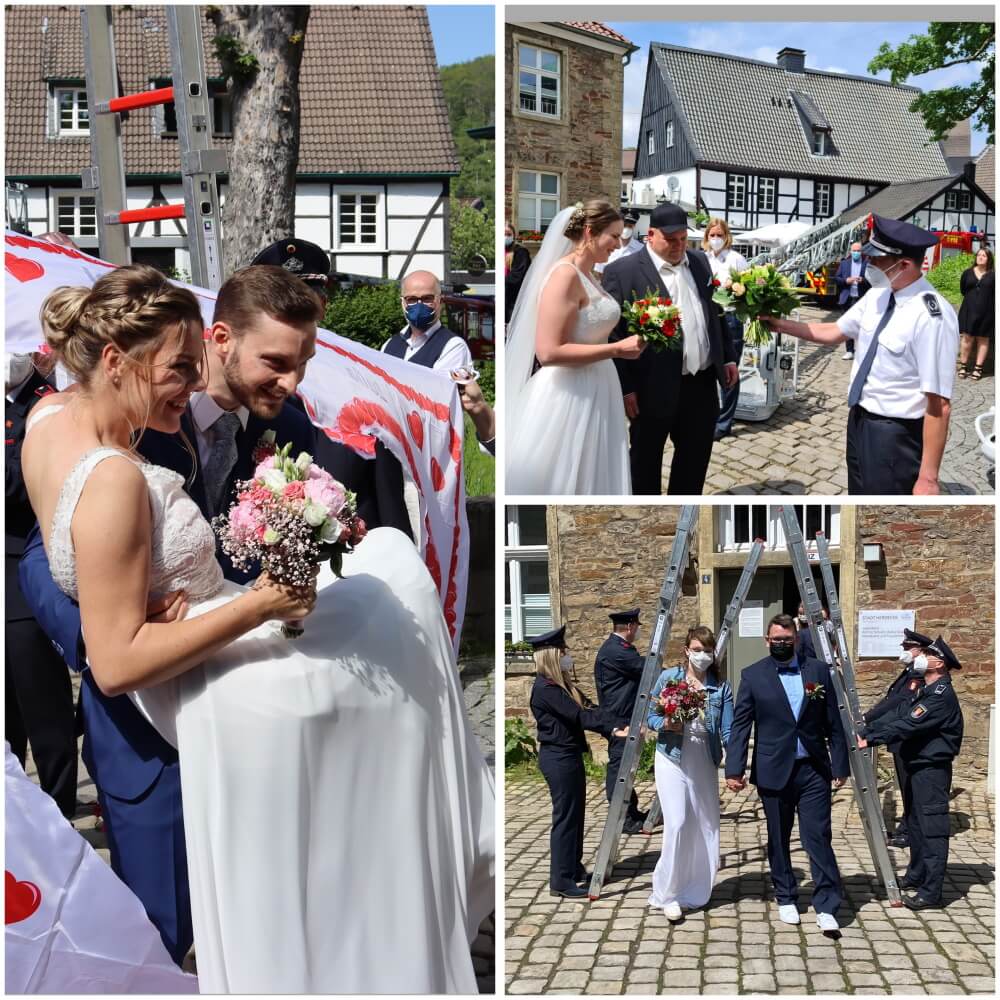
(680,702)
(657,320)
(289,518)
(755,292)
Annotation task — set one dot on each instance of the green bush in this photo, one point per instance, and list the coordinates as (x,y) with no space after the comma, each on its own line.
(517,647)
(947,275)
(646,761)
(519,745)
(369,315)
(488,380)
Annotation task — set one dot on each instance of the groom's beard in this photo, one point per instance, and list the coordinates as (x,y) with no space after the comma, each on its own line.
(262,404)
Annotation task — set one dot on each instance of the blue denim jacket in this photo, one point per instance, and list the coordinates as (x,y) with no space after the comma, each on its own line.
(718,716)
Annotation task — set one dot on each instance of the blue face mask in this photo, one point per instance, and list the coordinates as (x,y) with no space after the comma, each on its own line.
(855,255)
(420,315)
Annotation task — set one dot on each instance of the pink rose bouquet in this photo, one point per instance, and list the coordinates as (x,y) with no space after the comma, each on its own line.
(289,519)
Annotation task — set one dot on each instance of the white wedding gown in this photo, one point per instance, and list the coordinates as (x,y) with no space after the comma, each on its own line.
(337,809)
(689,796)
(571,434)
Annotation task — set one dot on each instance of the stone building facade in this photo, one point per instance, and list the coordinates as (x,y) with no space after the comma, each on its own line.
(564,95)
(936,561)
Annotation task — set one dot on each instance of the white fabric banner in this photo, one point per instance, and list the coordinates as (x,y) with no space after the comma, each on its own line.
(354,394)
(71,925)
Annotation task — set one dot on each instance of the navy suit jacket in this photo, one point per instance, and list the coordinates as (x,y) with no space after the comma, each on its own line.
(655,375)
(843,273)
(123,752)
(761,704)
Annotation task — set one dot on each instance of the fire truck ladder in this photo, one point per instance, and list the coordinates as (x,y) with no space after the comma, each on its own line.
(199,162)
(721,643)
(607,852)
(842,675)
(815,247)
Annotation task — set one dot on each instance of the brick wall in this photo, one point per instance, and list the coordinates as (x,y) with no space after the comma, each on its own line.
(585,148)
(940,562)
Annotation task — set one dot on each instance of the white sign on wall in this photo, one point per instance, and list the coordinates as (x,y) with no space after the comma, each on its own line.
(752,620)
(881,632)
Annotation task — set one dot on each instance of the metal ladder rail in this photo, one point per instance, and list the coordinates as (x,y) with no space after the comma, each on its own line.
(655,812)
(667,605)
(862,771)
(837,617)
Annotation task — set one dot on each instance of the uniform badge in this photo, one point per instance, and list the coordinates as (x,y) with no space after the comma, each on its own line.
(939,689)
(293,264)
(931,302)
(919,712)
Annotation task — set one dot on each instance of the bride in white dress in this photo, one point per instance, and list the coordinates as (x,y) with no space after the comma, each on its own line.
(566,426)
(337,810)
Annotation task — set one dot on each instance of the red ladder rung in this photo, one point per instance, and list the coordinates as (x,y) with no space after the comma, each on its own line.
(152,214)
(145,99)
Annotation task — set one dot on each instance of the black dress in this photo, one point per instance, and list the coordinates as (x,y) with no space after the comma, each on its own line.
(520,262)
(977,316)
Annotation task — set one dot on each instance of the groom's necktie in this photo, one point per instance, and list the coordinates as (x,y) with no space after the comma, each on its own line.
(857,386)
(221,459)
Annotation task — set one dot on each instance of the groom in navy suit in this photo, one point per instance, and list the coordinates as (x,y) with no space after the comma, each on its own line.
(789,701)
(263,333)
(672,394)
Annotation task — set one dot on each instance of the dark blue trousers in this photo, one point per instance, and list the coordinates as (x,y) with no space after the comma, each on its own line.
(731,396)
(929,828)
(568,786)
(883,453)
(808,794)
(146,840)
(903,826)
(616,747)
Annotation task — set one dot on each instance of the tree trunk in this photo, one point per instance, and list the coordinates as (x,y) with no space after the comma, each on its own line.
(261,53)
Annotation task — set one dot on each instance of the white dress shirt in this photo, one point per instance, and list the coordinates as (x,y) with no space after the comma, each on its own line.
(684,294)
(726,263)
(205,411)
(916,351)
(856,266)
(633,246)
(455,354)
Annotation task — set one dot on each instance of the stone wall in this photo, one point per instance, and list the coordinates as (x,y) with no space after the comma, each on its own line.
(584,148)
(940,562)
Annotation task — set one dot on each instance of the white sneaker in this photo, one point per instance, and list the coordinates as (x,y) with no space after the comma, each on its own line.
(848,355)
(827,922)
(672,911)
(788,913)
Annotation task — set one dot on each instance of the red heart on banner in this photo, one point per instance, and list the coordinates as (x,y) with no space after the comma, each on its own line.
(437,476)
(22,898)
(22,268)
(416,428)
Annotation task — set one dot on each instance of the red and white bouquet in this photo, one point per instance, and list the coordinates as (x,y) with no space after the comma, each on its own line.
(680,702)
(657,320)
(291,517)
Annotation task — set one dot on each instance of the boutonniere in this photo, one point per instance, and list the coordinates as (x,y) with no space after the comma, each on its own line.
(264,448)
(814,691)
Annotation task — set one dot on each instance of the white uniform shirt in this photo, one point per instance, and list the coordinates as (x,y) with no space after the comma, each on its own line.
(726,263)
(205,411)
(916,351)
(633,246)
(455,354)
(684,294)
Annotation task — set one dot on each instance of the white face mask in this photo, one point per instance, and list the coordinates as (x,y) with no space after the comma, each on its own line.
(18,368)
(920,665)
(878,278)
(626,234)
(906,657)
(716,243)
(700,660)
(566,662)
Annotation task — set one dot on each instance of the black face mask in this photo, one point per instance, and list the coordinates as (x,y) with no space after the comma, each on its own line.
(782,651)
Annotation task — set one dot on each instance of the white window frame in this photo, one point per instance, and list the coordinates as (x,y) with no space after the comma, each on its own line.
(650,143)
(733,189)
(828,515)
(538,73)
(767,194)
(75,195)
(819,142)
(515,555)
(537,197)
(352,191)
(825,189)
(75,129)
(669,134)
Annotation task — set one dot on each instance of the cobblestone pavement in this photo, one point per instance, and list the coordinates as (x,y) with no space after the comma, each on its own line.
(800,449)
(480,701)
(737,944)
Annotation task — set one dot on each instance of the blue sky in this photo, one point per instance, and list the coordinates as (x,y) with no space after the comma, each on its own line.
(461,33)
(844,47)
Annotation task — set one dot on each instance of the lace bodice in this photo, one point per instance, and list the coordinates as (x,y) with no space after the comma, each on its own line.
(599,317)
(183,550)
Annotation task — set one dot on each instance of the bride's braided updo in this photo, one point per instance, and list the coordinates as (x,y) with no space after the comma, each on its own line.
(597,213)
(135,308)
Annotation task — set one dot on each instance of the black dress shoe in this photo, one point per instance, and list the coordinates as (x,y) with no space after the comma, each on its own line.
(631,826)
(898,841)
(908,883)
(570,892)
(584,876)
(918,902)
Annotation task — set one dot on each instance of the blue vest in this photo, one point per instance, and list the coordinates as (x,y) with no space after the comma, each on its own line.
(428,354)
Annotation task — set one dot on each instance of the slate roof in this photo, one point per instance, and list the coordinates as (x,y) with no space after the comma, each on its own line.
(897,201)
(740,113)
(371,94)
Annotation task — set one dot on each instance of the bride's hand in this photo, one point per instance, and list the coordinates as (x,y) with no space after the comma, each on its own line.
(168,608)
(282,601)
(631,347)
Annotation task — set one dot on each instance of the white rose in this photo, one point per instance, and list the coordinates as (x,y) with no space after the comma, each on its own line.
(314,513)
(303,462)
(330,531)
(274,480)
